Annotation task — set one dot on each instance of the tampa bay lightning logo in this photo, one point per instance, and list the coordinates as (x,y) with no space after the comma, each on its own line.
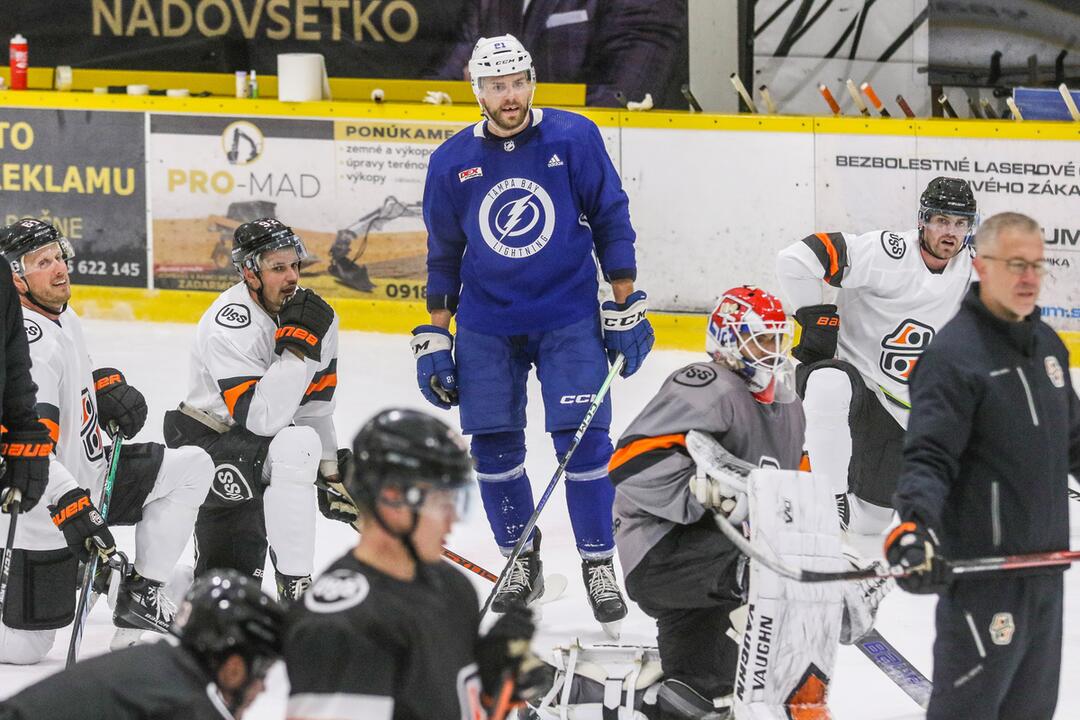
(517,218)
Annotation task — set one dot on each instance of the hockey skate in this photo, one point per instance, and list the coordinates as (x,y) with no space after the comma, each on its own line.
(605,598)
(291,588)
(524,582)
(141,604)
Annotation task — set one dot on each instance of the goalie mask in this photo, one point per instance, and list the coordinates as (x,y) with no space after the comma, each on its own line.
(750,333)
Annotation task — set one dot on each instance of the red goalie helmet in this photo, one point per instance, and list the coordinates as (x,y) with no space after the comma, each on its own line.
(750,333)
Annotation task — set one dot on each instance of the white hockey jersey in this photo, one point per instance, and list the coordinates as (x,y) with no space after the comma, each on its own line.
(237,378)
(890,304)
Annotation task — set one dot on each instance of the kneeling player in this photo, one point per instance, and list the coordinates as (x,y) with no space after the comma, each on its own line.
(261,402)
(156,489)
(230,635)
(389,630)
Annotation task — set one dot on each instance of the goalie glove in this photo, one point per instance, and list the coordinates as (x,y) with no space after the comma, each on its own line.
(720,482)
(334,500)
(820,330)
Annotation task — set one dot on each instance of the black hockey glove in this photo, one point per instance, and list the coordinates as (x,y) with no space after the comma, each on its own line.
(334,500)
(26,458)
(510,673)
(820,329)
(302,322)
(915,548)
(118,402)
(83,527)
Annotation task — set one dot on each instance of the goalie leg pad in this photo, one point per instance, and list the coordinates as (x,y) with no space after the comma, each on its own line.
(39,594)
(827,399)
(792,629)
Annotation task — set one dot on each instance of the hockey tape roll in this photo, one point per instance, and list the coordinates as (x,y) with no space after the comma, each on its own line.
(301,77)
(138,89)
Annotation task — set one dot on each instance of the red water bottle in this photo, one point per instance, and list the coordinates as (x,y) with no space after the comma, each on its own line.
(20,62)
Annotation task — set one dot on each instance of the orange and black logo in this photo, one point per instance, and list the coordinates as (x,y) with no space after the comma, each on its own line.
(902,347)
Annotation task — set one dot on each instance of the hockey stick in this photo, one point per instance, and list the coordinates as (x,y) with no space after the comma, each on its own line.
(950,112)
(868,90)
(446,553)
(14,503)
(898,668)
(82,610)
(741,89)
(1070,104)
(904,106)
(856,98)
(988,109)
(527,530)
(767,97)
(829,99)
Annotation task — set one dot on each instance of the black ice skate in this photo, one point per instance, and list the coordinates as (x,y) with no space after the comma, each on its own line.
(143,605)
(291,588)
(525,581)
(608,605)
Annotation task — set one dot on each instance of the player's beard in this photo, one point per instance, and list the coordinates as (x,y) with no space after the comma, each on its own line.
(937,250)
(497,118)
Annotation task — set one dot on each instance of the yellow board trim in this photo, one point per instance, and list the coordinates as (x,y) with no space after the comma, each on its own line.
(674,331)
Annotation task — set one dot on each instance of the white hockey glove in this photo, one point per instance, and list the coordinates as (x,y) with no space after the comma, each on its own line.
(721,479)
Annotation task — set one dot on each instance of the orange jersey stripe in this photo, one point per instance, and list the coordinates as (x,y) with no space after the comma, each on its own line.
(644,445)
(233,394)
(328,380)
(834,261)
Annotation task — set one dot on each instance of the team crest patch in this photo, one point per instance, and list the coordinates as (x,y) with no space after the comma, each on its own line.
(1002,628)
(696,376)
(517,218)
(229,484)
(33,330)
(893,245)
(471,173)
(901,348)
(233,315)
(1054,371)
(336,591)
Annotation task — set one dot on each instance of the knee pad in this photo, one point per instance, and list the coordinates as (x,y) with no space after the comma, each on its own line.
(24,647)
(297,447)
(828,389)
(190,471)
(590,459)
(499,456)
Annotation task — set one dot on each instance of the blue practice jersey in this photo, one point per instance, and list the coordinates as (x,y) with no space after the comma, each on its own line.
(512,224)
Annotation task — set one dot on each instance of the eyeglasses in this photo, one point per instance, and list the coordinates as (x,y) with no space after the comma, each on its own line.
(1017,266)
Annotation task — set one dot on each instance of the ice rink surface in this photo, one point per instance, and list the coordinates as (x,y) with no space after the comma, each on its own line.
(376,371)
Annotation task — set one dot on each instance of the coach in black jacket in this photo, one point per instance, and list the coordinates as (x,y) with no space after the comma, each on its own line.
(993,434)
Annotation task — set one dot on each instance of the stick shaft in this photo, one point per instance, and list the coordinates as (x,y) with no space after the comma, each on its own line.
(1069,102)
(741,89)
(856,98)
(868,90)
(829,99)
(904,106)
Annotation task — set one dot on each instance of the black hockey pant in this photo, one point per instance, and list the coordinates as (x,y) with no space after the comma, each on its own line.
(997,655)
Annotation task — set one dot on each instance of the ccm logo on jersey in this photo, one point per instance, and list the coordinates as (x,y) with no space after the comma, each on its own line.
(229,484)
(336,591)
(902,347)
(233,315)
(576,399)
(469,174)
(893,244)
(33,330)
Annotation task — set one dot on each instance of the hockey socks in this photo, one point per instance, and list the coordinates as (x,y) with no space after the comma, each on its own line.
(508,502)
(589,496)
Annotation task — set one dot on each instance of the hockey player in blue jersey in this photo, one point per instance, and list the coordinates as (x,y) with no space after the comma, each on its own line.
(516,207)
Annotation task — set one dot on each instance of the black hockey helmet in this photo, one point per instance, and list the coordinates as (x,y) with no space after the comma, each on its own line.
(27,235)
(949,196)
(403,448)
(254,238)
(225,612)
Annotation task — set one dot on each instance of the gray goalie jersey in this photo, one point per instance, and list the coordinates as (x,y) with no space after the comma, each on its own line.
(651,468)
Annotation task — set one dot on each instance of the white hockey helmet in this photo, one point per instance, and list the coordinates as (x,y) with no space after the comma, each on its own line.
(501,55)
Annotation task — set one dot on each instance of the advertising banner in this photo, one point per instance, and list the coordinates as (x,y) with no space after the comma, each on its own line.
(867,182)
(351,189)
(85,173)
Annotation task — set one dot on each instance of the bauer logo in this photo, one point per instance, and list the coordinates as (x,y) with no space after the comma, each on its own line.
(229,484)
(33,330)
(517,218)
(336,591)
(893,244)
(233,315)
